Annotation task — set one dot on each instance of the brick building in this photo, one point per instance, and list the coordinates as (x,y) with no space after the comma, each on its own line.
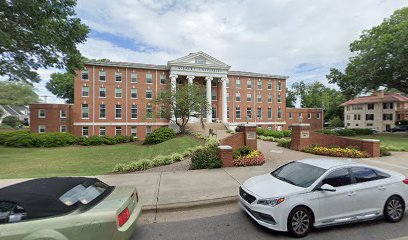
(114,98)
(313,116)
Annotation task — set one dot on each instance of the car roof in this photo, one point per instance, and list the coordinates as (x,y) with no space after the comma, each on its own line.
(327,163)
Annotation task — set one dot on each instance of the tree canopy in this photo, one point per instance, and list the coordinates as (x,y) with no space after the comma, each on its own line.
(379,58)
(39,34)
(291,98)
(62,86)
(12,93)
(316,95)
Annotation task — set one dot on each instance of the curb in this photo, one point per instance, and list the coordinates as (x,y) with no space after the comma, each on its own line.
(190,205)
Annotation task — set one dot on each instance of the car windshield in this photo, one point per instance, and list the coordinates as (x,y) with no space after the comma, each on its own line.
(298,174)
(83,194)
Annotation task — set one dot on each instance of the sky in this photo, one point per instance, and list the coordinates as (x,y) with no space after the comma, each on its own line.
(302,39)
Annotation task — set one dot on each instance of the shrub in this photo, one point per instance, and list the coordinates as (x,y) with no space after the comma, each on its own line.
(287,133)
(346,132)
(230,131)
(161,160)
(384,152)
(336,152)
(284,142)
(187,152)
(327,131)
(253,158)
(104,140)
(395,148)
(362,131)
(27,139)
(207,157)
(336,122)
(271,133)
(160,135)
(242,151)
(12,121)
(176,157)
(268,138)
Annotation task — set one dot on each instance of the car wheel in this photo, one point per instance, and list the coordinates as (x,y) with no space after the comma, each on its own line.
(299,222)
(394,209)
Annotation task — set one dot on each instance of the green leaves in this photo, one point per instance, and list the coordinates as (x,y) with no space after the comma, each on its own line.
(62,86)
(17,93)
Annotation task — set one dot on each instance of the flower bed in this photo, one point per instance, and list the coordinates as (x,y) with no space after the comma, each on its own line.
(254,157)
(350,152)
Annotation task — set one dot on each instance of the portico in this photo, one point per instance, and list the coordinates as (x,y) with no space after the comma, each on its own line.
(201,65)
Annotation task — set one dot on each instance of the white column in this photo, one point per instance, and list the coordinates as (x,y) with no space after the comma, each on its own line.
(224,99)
(208,95)
(173,79)
(190,79)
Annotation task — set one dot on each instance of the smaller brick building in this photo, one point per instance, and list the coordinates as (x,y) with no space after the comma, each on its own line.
(312,116)
(51,117)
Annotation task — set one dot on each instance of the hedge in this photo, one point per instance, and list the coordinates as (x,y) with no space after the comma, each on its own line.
(160,135)
(273,133)
(206,158)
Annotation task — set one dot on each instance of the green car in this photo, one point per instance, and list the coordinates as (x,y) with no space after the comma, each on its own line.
(68,208)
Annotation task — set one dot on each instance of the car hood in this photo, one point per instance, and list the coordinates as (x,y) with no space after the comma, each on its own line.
(267,186)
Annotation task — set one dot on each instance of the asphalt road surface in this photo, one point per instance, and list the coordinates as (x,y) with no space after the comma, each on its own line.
(239,226)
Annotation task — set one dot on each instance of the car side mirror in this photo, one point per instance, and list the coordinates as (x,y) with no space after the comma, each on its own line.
(328,188)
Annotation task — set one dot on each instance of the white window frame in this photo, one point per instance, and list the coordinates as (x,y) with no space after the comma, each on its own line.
(117,92)
(82,74)
(118,74)
(102,75)
(82,91)
(83,128)
(133,106)
(132,132)
(121,113)
(104,131)
(151,92)
(42,127)
(39,113)
(318,116)
(131,93)
(309,115)
(103,91)
(82,111)
(133,76)
(65,111)
(100,111)
(66,128)
(151,77)
(116,131)
(150,131)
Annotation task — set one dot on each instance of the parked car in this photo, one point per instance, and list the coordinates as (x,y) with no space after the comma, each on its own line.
(68,208)
(323,192)
(399,128)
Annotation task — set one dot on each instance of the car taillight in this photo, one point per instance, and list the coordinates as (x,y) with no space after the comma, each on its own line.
(123,217)
(405,181)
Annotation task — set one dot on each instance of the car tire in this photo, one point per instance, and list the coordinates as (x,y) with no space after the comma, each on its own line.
(394,209)
(300,222)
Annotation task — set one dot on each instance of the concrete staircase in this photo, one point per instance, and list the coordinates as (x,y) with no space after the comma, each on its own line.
(218,128)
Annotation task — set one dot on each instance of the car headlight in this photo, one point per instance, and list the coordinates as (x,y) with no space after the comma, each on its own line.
(272,202)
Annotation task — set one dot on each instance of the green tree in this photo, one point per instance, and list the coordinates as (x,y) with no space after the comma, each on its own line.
(12,93)
(62,86)
(316,95)
(11,121)
(38,34)
(1,112)
(291,98)
(185,101)
(379,58)
(336,122)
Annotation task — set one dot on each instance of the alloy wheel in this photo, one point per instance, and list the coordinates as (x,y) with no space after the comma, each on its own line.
(300,222)
(394,209)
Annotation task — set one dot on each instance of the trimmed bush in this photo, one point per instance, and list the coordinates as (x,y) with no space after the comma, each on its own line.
(11,121)
(384,152)
(327,131)
(242,151)
(362,131)
(27,139)
(284,142)
(287,133)
(271,133)
(160,135)
(336,151)
(176,157)
(346,132)
(206,158)
(104,140)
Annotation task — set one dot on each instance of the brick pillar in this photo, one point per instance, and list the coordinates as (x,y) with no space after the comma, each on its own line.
(226,156)
(300,136)
(250,135)
(372,147)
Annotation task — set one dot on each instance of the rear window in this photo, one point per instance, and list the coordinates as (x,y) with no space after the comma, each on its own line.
(298,173)
(83,194)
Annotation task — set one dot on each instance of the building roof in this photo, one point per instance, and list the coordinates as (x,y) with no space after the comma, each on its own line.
(15,110)
(127,64)
(252,74)
(376,98)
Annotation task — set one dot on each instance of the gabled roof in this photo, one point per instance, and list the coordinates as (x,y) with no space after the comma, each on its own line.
(376,98)
(190,59)
(15,110)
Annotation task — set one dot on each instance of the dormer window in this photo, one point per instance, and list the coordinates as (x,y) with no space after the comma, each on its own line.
(200,60)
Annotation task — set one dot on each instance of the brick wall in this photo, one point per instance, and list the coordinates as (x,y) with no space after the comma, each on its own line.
(52,120)
(309,115)
(236,140)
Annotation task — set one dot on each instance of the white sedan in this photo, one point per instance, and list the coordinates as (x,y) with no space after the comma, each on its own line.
(323,192)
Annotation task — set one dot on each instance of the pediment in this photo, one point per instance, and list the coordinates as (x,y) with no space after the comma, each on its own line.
(198,59)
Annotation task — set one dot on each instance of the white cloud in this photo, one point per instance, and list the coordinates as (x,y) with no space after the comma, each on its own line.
(276,37)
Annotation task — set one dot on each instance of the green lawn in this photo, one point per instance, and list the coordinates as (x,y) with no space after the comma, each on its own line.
(79,160)
(389,139)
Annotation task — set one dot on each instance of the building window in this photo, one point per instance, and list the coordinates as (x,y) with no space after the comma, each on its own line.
(388,105)
(228,112)
(269,113)
(149,93)
(85,111)
(102,75)
(63,113)
(279,113)
(63,128)
(118,76)
(133,132)
(85,91)
(249,97)
(133,77)
(163,112)
(102,131)
(357,117)
(85,131)
(41,113)
(249,113)
(227,83)
(238,97)
(41,128)
(149,111)
(134,111)
(238,112)
(259,112)
(279,98)
(213,83)
(214,94)
(118,131)
(118,92)
(369,117)
(162,79)
(133,93)
(370,106)
(102,111)
(249,84)
(269,85)
(118,111)
(228,96)
(309,116)
(369,124)
(357,107)
(269,98)
(102,92)
(214,112)
(387,117)
(260,85)
(85,74)
(238,83)
(259,98)
(290,116)
(348,124)
(149,78)
(279,86)
(148,130)
(318,116)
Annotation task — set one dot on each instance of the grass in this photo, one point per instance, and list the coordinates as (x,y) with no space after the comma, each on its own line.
(398,140)
(81,161)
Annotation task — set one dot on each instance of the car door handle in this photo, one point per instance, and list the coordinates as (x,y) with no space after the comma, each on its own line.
(350,194)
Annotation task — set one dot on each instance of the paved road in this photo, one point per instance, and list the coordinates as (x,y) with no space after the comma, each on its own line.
(238,226)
